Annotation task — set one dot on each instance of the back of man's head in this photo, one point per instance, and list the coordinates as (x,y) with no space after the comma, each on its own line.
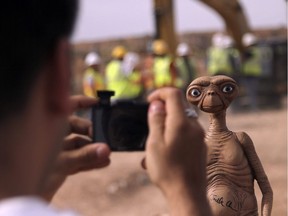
(29,31)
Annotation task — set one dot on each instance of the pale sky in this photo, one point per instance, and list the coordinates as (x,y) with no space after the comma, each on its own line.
(107,19)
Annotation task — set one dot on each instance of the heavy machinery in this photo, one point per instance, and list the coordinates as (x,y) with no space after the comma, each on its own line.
(164,22)
(230,10)
(274,77)
(234,17)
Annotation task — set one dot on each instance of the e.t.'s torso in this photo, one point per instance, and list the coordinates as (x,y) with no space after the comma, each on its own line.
(230,188)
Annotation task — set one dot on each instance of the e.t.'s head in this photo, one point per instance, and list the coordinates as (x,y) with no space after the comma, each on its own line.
(212,94)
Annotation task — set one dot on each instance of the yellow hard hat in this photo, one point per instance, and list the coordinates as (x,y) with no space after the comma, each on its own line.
(159,47)
(118,52)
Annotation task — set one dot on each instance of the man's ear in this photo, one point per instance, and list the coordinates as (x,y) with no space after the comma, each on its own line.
(58,83)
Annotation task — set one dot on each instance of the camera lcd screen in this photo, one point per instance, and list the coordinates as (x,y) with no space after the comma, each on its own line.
(127,127)
(123,126)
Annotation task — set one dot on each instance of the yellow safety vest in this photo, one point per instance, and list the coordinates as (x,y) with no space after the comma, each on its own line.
(92,81)
(161,69)
(252,65)
(218,61)
(185,75)
(117,81)
(135,84)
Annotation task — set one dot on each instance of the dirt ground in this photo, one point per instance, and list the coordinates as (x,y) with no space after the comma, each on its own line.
(124,188)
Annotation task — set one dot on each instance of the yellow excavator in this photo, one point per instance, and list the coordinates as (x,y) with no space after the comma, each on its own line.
(230,10)
(233,15)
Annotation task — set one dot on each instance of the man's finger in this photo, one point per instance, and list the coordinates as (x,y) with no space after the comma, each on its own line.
(143,163)
(86,158)
(174,101)
(75,141)
(80,125)
(81,102)
(156,121)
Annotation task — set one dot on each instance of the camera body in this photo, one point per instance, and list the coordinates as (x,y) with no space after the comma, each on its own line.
(121,124)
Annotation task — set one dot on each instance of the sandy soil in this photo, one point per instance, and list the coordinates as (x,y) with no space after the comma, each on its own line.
(124,188)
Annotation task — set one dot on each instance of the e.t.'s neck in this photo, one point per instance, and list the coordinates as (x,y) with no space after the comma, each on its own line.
(217,123)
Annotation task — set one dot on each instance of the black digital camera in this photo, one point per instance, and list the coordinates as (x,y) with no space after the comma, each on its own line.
(121,124)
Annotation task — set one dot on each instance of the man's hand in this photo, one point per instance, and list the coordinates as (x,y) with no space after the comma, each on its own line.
(176,154)
(76,154)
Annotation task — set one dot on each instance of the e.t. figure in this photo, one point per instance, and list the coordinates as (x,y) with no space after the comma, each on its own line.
(232,162)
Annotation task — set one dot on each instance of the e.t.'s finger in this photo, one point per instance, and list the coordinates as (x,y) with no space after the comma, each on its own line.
(80,125)
(174,101)
(81,102)
(86,158)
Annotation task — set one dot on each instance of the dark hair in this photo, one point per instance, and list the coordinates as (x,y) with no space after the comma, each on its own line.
(29,31)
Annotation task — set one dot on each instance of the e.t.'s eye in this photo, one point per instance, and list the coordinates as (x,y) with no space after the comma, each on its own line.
(195,92)
(227,88)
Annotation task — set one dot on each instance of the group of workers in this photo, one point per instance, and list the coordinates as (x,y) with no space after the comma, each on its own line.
(225,59)
(222,57)
(132,77)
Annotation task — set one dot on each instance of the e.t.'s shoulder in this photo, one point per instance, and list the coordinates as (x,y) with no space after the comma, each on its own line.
(244,139)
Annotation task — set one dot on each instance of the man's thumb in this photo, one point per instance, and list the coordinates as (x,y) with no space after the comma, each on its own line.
(156,119)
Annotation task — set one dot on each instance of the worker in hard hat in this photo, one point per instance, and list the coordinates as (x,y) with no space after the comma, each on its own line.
(233,56)
(219,61)
(147,71)
(131,68)
(93,79)
(116,79)
(164,70)
(251,69)
(252,55)
(185,65)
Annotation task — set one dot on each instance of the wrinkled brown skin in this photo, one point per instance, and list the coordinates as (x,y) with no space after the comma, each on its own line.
(232,162)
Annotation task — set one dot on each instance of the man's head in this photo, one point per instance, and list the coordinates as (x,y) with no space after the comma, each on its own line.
(29,32)
(160,48)
(34,70)
(93,60)
(118,52)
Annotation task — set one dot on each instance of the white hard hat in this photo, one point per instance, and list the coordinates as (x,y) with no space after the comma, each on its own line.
(92,58)
(130,61)
(217,39)
(249,39)
(227,41)
(183,49)
(132,58)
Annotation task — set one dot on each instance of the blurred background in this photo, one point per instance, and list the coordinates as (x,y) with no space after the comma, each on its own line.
(182,39)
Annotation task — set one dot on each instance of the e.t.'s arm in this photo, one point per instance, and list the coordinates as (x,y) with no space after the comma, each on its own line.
(258,171)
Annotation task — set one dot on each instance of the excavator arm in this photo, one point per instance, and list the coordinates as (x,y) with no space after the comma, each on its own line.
(164,22)
(230,10)
(234,17)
